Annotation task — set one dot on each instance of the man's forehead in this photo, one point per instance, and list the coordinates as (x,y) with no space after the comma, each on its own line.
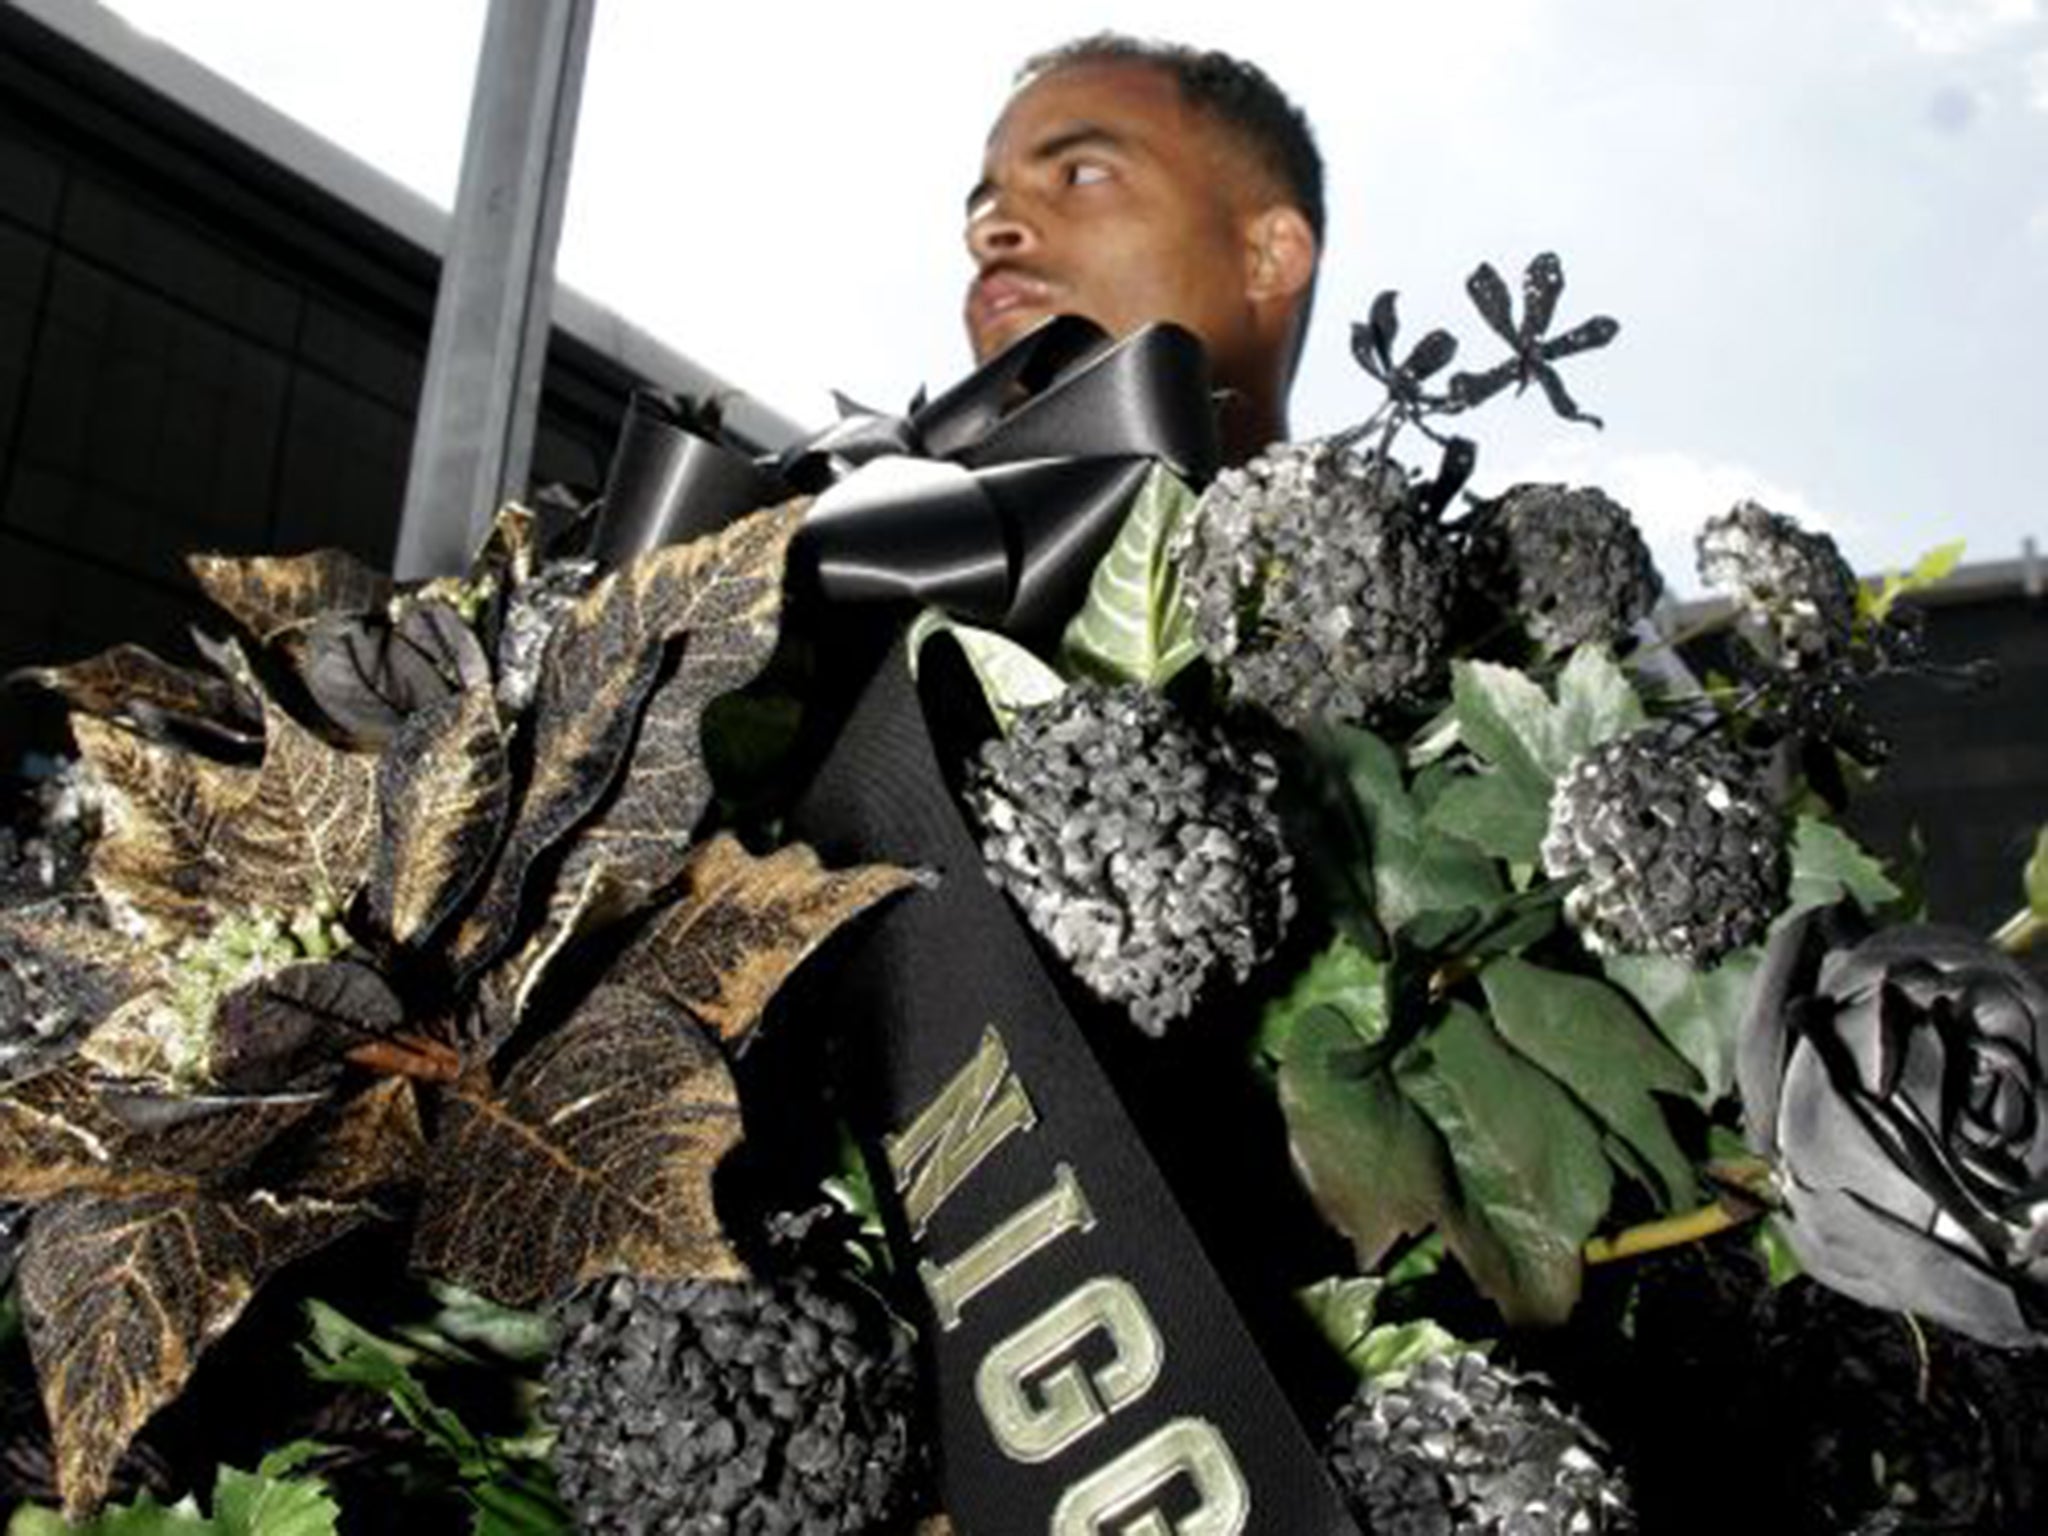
(1113,97)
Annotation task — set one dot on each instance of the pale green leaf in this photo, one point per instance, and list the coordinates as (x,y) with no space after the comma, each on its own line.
(1504,812)
(1136,625)
(1827,865)
(1505,717)
(2037,877)
(1595,704)
(1414,870)
(1393,1349)
(1011,677)
(253,1504)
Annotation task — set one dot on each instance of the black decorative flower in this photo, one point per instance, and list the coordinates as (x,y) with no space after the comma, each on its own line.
(1534,355)
(1897,1080)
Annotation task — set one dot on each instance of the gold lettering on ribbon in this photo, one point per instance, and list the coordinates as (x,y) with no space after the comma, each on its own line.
(1035,1416)
(1123,1496)
(974,1113)
(1063,1208)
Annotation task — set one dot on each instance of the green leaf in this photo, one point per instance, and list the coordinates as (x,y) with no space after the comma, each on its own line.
(1011,677)
(1505,717)
(1930,570)
(1827,865)
(518,1507)
(1780,1262)
(145,1517)
(1503,812)
(1697,1012)
(1595,704)
(1343,1310)
(2037,877)
(1413,871)
(1528,1160)
(256,1504)
(1394,1348)
(478,1322)
(1344,978)
(1136,625)
(344,1351)
(1585,1034)
(1374,1166)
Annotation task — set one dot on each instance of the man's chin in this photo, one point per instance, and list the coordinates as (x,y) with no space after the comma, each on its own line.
(1004,329)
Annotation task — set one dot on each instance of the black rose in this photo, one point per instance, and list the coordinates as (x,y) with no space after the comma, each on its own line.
(1896,1078)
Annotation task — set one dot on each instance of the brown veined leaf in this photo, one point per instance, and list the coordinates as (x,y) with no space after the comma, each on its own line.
(354,1149)
(595,1158)
(443,789)
(508,989)
(307,832)
(165,850)
(137,688)
(57,1136)
(57,979)
(122,1294)
(602,664)
(740,925)
(642,831)
(510,548)
(272,595)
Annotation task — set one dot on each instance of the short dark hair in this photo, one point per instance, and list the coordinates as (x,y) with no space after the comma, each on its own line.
(1232,92)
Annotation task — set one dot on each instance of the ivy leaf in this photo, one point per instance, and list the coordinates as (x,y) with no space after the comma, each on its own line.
(1503,813)
(1827,865)
(1504,716)
(268,1502)
(1414,870)
(122,1294)
(1584,1033)
(1375,1167)
(1343,978)
(1012,678)
(1136,625)
(738,926)
(595,1158)
(716,596)
(137,688)
(1697,1012)
(1529,1162)
(271,595)
(145,1517)
(443,791)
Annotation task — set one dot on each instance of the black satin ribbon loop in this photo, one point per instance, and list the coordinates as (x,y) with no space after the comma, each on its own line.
(1029,465)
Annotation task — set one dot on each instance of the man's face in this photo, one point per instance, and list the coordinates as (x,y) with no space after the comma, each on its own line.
(1104,195)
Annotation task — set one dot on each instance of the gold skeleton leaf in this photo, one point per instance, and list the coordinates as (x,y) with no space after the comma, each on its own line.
(58,1137)
(271,595)
(164,851)
(127,681)
(83,970)
(122,1293)
(739,926)
(306,835)
(602,664)
(595,1158)
(443,788)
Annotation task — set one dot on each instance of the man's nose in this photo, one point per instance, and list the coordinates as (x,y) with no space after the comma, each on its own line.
(995,231)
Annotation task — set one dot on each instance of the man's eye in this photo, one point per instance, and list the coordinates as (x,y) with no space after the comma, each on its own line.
(1083,173)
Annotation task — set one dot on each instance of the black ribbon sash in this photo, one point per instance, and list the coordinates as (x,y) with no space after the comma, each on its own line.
(1093,1376)
(1091,1371)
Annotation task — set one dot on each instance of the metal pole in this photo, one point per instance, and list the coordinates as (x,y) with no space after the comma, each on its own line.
(473,441)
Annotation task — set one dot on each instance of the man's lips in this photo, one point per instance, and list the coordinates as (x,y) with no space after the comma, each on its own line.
(1000,293)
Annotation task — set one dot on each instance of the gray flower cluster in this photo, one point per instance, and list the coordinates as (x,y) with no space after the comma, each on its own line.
(1676,846)
(731,1408)
(1141,846)
(1567,563)
(1458,1446)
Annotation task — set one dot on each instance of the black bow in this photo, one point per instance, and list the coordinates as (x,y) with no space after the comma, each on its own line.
(993,501)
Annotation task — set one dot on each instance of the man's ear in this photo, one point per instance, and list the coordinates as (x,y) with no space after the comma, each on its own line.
(1282,252)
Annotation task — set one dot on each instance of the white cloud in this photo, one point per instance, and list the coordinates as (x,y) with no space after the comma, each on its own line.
(1670,493)
(1958,26)
(2037,225)
(2037,81)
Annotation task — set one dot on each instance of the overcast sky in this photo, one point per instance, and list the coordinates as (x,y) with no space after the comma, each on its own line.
(1823,224)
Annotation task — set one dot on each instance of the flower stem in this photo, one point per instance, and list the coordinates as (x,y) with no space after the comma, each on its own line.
(2021,932)
(1669,1232)
(409,1056)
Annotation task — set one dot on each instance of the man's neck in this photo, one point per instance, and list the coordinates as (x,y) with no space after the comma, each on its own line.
(1247,426)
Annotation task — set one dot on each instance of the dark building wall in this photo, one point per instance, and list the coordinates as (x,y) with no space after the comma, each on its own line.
(198,350)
